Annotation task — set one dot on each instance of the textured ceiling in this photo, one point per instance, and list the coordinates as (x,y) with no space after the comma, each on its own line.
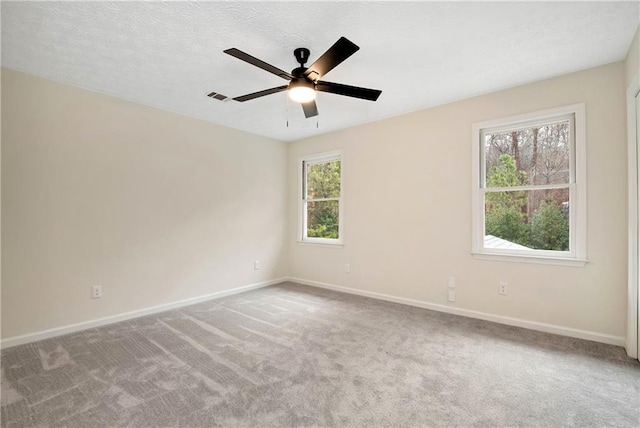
(420,54)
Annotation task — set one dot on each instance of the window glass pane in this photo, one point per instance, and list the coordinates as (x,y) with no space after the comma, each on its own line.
(535,155)
(322,219)
(532,219)
(323,180)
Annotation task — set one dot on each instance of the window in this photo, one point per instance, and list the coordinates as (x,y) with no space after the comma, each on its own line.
(529,187)
(321,204)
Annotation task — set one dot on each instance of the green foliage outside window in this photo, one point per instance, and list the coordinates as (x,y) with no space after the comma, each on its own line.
(504,216)
(550,227)
(506,211)
(323,182)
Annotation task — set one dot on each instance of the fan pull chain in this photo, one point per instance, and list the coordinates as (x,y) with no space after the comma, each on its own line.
(287,112)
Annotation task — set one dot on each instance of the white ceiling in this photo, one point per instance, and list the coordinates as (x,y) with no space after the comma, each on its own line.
(420,54)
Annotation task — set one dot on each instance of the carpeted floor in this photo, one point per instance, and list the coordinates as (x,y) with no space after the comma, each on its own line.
(290,355)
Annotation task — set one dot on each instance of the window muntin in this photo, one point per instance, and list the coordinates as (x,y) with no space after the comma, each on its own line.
(529,201)
(321,199)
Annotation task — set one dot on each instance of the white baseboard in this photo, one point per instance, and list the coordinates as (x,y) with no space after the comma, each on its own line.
(516,322)
(59,331)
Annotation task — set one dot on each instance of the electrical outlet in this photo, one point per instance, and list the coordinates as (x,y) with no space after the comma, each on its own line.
(256,265)
(504,288)
(347,268)
(451,297)
(452,282)
(96,292)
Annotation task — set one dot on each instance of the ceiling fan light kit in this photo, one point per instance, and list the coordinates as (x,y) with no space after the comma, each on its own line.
(302,91)
(305,82)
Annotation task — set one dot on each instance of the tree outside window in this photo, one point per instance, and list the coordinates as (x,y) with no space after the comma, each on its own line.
(321,198)
(528,173)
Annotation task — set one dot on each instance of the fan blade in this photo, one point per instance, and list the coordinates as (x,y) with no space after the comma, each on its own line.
(258,63)
(261,93)
(341,50)
(310,109)
(349,91)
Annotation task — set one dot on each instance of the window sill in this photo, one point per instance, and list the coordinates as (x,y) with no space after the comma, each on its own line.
(518,258)
(322,244)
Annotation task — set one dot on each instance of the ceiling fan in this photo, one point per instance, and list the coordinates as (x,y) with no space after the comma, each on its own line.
(304,82)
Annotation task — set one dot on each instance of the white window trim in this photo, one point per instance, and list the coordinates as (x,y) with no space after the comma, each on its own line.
(577,256)
(302,218)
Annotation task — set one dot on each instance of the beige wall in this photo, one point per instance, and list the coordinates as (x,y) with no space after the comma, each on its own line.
(633,58)
(153,206)
(407,196)
(158,207)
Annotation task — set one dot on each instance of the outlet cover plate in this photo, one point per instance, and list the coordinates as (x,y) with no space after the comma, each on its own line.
(504,288)
(96,292)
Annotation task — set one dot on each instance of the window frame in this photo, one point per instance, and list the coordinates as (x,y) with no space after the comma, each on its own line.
(303,162)
(577,185)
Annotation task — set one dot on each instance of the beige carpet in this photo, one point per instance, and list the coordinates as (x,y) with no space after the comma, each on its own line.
(290,355)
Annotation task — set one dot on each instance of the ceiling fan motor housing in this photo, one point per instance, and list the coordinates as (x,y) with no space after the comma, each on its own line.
(301,73)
